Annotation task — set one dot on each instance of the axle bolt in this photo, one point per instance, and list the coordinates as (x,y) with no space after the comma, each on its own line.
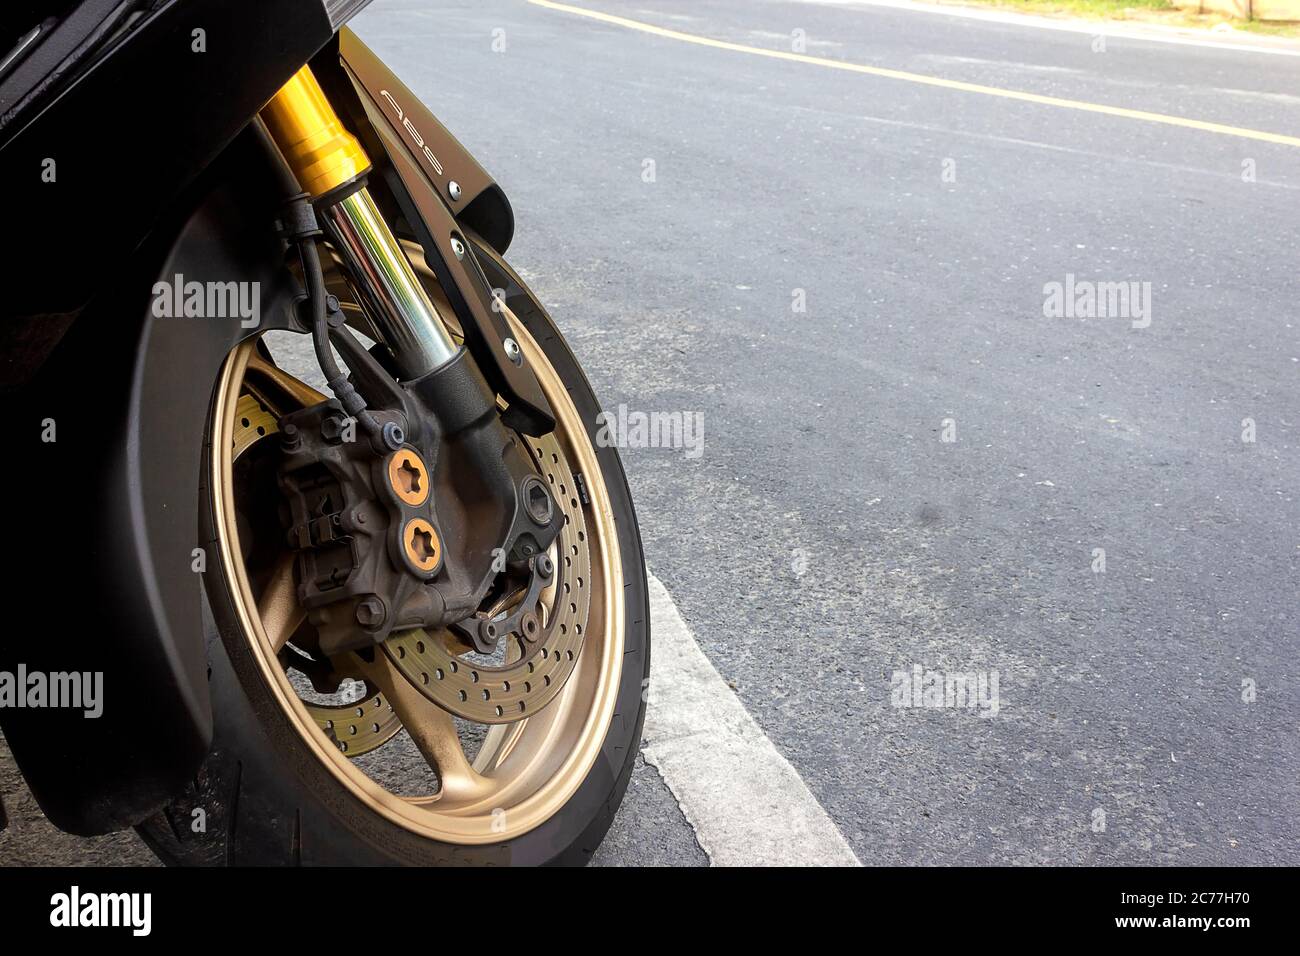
(537,501)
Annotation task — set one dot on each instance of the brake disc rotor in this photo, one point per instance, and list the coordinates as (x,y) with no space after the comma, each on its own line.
(356,728)
(499,694)
(484,693)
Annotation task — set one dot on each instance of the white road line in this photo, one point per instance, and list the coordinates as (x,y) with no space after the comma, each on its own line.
(1154,33)
(747,804)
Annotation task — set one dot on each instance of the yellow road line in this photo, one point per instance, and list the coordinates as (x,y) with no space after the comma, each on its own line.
(1057,101)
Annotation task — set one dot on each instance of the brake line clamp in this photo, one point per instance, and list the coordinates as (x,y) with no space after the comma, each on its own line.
(297,220)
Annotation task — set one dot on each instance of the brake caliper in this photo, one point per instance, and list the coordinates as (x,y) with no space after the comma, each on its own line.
(362,522)
(408,524)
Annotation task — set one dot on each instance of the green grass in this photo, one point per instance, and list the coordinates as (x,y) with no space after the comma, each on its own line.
(1270,29)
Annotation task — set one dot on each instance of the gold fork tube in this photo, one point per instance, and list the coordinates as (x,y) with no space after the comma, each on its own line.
(325,156)
(320,151)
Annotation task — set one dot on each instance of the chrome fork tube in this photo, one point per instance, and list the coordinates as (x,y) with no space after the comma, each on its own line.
(403,314)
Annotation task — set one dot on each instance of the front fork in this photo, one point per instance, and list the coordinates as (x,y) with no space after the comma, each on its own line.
(331,166)
(390,535)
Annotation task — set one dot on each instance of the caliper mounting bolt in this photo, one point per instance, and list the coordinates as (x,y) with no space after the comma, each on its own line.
(371,613)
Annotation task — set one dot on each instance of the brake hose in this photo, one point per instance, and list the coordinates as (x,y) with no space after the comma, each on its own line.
(299,225)
(337,381)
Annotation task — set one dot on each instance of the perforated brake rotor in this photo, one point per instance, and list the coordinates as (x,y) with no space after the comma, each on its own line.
(357,728)
(498,694)
(483,693)
(370,722)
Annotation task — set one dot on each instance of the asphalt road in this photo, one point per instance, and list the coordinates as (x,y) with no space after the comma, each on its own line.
(919,467)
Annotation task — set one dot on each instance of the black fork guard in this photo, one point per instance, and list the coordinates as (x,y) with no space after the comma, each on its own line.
(429,177)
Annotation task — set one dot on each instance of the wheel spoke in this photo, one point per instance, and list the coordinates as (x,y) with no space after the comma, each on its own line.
(432,730)
(278,388)
(278,606)
(498,744)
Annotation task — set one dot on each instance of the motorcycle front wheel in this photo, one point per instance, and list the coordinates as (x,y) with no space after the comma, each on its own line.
(348,762)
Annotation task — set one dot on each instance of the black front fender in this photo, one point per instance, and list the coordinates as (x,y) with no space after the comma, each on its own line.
(103,575)
(372,98)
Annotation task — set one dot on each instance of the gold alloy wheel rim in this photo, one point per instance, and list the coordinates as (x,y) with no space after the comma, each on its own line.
(524,771)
